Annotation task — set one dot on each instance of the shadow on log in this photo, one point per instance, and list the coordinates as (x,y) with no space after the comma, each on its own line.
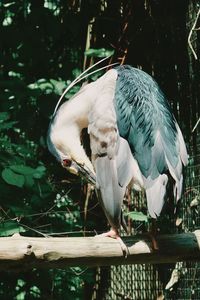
(18,252)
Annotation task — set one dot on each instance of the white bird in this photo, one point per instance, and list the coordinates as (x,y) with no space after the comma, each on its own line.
(134,138)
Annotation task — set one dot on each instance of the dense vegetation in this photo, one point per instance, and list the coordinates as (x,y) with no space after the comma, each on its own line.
(36,62)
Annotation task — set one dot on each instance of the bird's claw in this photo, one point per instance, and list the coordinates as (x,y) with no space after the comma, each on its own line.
(123,246)
(113,234)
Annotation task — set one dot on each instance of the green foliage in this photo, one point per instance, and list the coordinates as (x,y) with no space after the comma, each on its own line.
(21,176)
(10,227)
(35,65)
(99,52)
(137,216)
(12,178)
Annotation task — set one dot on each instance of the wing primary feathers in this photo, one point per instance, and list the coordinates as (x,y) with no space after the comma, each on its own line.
(145,120)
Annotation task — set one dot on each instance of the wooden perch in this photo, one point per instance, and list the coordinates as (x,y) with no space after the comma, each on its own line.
(18,252)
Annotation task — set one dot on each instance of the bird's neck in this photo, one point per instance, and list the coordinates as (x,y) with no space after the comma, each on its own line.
(66,129)
(72,117)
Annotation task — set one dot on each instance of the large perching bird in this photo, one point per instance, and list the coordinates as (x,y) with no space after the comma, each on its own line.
(134,138)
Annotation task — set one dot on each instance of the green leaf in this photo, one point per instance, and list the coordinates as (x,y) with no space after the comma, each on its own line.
(137,216)
(4,116)
(102,52)
(14,74)
(38,175)
(29,181)
(19,210)
(59,86)
(23,150)
(9,228)
(72,91)
(23,170)
(44,85)
(7,125)
(12,178)
(41,169)
(39,172)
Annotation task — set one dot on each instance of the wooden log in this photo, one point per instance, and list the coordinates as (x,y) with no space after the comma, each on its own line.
(18,252)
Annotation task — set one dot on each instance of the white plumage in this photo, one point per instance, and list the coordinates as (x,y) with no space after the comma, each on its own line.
(134,138)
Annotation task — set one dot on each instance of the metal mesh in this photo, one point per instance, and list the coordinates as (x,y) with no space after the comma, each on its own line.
(142,284)
(146,282)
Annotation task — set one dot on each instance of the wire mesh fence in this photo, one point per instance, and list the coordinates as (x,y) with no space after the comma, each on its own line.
(168,34)
(180,281)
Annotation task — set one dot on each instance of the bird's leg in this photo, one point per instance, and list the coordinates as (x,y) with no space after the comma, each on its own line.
(113,233)
(152,233)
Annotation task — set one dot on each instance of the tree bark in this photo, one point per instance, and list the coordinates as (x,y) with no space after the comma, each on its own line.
(18,252)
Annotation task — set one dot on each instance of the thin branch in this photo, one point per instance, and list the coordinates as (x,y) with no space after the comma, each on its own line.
(195,126)
(34,230)
(190,35)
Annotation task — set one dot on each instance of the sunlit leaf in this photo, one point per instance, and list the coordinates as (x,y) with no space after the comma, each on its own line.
(14,74)
(137,216)
(39,172)
(44,85)
(41,169)
(9,4)
(59,86)
(38,175)
(102,52)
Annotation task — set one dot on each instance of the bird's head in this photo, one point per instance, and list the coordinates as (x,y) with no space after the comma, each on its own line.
(63,137)
(71,156)
(70,165)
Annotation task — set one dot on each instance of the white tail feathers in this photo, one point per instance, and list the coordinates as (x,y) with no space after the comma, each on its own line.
(183,150)
(155,192)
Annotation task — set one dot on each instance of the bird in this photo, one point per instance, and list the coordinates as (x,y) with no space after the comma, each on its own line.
(135,141)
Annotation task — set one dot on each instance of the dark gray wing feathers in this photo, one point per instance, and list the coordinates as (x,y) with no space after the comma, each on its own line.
(145,120)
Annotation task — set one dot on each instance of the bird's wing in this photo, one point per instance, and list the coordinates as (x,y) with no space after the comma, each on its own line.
(111,155)
(145,120)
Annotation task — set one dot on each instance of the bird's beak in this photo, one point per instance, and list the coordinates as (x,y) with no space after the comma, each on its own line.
(81,170)
(86,173)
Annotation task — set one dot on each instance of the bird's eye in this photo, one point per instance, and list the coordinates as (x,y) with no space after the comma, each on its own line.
(66,162)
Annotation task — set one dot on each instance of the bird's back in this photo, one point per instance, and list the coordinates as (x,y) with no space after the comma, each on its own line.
(145,120)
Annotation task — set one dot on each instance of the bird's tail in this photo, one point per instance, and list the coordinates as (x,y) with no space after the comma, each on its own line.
(155,193)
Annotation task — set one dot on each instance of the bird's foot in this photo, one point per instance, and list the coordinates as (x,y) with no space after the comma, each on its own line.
(115,235)
(153,242)
(123,246)
(112,233)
